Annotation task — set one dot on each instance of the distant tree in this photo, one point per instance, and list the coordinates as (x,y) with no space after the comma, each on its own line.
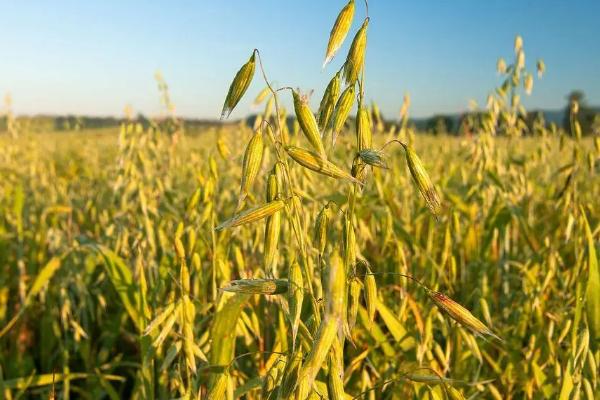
(577,104)
(466,124)
(141,118)
(536,123)
(596,125)
(440,125)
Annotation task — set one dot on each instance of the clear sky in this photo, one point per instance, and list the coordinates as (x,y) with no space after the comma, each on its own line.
(93,57)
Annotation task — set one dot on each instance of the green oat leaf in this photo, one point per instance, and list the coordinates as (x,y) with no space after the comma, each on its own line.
(49,379)
(592,292)
(42,278)
(122,280)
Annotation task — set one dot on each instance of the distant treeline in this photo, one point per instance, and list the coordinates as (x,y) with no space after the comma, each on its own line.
(69,123)
(589,118)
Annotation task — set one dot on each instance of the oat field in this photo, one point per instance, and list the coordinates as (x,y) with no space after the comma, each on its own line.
(302,255)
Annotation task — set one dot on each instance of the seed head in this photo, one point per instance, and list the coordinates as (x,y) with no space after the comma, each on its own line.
(377,119)
(262,95)
(295,297)
(422,180)
(364,136)
(405,106)
(253,214)
(370,294)
(528,83)
(314,360)
(308,123)
(336,288)
(501,66)
(349,244)
(189,311)
(541,68)
(335,377)
(273,225)
(516,100)
(179,250)
(518,44)
(272,186)
(460,314)
(342,109)
(521,60)
(321,229)
(328,101)
(574,106)
(354,301)
(251,165)
(257,286)
(223,149)
(239,86)
(356,56)
(454,393)
(314,162)
(339,31)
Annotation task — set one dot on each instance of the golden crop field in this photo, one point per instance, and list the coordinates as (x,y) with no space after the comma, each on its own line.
(302,255)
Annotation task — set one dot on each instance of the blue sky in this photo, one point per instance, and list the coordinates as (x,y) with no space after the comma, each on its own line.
(93,57)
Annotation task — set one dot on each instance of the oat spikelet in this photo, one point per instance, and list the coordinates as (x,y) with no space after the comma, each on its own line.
(364,135)
(339,31)
(180,251)
(460,314)
(239,86)
(218,389)
(262,95)
(521,60)
(314,360)
(253,214)
(251,165)
(349,243)
(187,310)
(308,123)
(273,182)
(501,66)
(574,106)
(188,313)
(405,107)
(336,287)
(356,56)
(328,329)
(518,44)
(377,118)
(342,109)
(328,101)
(273,225)
(321,229)
(353,302)
(541,68)
(222,148)
(314,162)
(422,180)
(454,393)
(257,286)
(370,295)
(528,83)
(335,378)
(295,298)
